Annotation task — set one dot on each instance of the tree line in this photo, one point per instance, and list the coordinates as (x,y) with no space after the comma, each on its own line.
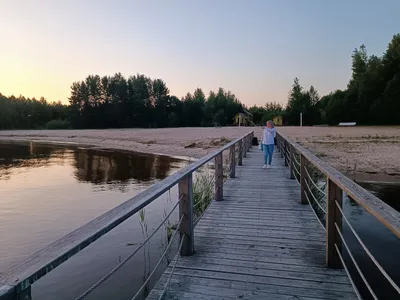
(119,102)
(139,101)
(372,96)
(24,113)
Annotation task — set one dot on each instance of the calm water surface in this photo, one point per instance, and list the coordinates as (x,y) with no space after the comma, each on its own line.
(48,191)
(383,244)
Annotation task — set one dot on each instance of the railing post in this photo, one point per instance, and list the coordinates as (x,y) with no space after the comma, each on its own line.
(303,164)
(185,187)
(281,149)
(250,141)
(9,293)
(333,216)
(232,159)
(219,179)
(240,146)
(244,145)
(286,149)
(292,162)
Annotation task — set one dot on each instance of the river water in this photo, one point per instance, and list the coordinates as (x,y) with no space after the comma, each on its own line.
(381,242)
(48,191)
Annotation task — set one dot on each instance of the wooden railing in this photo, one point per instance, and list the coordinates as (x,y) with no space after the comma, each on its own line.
(325,196)
(15,284)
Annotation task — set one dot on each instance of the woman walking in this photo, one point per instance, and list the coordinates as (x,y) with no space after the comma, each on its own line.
(268,141)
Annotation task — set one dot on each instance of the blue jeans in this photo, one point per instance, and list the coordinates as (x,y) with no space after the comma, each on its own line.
(268,151)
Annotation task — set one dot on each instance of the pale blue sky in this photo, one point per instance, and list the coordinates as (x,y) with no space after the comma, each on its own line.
(253,48)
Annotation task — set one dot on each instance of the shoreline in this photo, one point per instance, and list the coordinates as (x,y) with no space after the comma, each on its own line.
(91,146)
(360,153)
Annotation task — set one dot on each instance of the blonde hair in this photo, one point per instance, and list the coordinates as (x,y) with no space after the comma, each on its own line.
(271,123)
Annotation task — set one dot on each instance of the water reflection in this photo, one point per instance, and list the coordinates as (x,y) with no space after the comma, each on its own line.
(14,156)
(49,191)
(388,193)
(105,169)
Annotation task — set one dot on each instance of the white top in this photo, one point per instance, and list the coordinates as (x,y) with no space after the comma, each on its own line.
(268,136)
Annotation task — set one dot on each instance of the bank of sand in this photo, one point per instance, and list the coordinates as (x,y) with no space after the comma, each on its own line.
(353,150)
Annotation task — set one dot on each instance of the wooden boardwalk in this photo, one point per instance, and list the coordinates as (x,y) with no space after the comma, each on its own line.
(259,243)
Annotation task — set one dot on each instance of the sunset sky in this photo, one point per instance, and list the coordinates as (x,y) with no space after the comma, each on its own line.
(253,48)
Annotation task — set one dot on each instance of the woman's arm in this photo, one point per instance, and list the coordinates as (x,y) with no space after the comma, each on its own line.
(270,130)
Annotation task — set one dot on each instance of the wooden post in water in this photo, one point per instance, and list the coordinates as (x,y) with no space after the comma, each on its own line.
(232,160)
(219,178)
(303,164)
(333,216)
(240,146)
(292,162)
(185,187)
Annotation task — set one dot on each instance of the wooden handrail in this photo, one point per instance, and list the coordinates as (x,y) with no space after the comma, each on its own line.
(387,215)
(336,185)
(18,279)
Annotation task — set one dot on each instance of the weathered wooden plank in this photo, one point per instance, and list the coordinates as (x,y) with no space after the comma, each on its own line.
(266,279)
(263,232)
(292,250)
(262,272)
(260,265)
(240,255)
(182,282)
(250,239)
(303,227)
(194,292)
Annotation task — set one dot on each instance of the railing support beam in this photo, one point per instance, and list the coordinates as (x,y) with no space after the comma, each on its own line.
(219,178)
(185,187)
(232,159)
(292,170)
(9,293)
(333,215)
(303,165)
(244,145)
(286,150)
(240,146)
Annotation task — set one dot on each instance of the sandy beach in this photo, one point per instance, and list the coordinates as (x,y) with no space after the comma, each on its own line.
(363,151)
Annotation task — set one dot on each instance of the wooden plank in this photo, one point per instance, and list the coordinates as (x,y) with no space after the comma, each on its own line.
(219,266)
(247,224)
(209,260)
(182,282)
(251,239)
(288,282)
(271,235)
